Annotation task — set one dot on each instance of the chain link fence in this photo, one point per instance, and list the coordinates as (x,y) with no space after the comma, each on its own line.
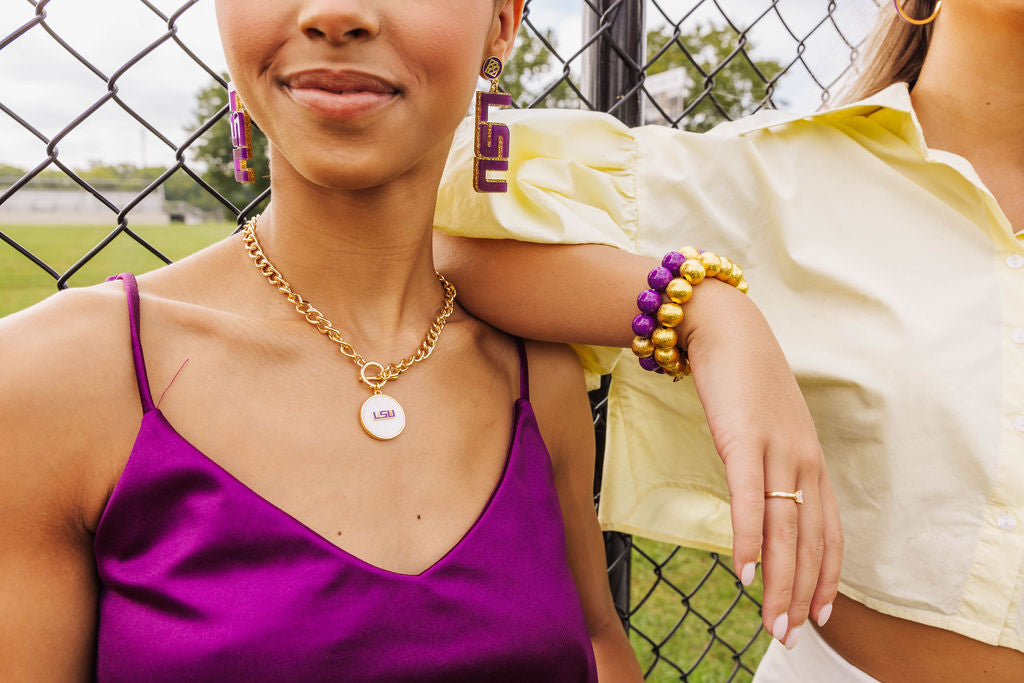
(684,63)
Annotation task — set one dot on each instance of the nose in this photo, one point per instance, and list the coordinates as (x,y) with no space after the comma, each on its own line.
(339,21)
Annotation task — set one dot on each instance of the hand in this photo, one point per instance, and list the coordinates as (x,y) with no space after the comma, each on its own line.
(764,433)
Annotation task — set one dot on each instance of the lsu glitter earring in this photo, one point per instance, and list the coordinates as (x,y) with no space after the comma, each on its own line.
(492,139)
(241,137)
(911,20)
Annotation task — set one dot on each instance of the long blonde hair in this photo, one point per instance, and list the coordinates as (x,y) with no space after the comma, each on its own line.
(893,53)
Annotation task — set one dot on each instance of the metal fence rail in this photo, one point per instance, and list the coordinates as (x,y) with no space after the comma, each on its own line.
(684,63)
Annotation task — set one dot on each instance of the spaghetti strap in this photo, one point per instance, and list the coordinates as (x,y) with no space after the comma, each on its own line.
(132,290)
(524,371)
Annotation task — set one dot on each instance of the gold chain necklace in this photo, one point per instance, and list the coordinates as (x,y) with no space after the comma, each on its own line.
(381,415)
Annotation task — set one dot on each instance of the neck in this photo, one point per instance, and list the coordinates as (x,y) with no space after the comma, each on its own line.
(968,97)
(362,257)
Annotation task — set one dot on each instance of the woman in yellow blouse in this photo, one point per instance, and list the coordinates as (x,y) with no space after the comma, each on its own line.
(882,241)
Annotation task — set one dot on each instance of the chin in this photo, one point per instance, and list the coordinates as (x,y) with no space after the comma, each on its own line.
(343,175)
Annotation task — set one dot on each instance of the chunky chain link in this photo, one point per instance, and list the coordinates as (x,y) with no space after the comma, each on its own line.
(389,371)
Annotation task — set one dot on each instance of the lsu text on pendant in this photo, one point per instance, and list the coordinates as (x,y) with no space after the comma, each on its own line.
(382,417)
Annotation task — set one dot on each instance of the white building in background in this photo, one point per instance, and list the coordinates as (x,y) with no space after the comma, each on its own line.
(43,204)
(670,90)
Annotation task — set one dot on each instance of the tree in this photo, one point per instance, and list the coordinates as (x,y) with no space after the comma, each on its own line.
(702,55)
(532,69)
(213,150)
(734,84)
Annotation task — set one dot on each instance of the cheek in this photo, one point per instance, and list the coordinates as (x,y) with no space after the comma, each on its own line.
(248,32)
(449,58)
(449,53)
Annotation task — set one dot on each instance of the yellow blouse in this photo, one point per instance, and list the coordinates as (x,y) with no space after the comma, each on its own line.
(894,283)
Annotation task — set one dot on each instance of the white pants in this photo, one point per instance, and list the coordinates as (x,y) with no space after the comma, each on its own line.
(811,661)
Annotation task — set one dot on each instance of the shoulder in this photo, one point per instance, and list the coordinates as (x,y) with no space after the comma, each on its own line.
(53,349)
(67,394)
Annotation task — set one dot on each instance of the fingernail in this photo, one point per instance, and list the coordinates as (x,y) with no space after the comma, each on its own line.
(793,636)
(780,627)
(747,574)
(824,613)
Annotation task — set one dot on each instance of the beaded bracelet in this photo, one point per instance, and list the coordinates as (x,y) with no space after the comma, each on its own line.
(656,344)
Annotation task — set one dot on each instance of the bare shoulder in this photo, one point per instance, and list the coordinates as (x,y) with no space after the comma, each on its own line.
(67,396)
(56,351)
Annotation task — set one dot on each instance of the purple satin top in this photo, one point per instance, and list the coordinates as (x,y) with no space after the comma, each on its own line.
(204,580)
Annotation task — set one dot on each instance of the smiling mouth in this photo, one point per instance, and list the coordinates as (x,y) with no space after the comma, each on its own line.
(339,94)
(340,82)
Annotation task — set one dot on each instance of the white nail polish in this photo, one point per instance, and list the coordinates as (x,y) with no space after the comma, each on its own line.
(793,636)
(824,613)
(780,627)
(747,574)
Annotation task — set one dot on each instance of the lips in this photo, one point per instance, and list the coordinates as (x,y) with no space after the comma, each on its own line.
(339,82)
(339,94)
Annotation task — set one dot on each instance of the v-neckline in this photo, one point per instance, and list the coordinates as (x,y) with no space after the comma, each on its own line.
(304,529)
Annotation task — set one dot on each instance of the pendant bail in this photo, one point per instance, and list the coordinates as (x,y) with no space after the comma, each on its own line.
(375,382)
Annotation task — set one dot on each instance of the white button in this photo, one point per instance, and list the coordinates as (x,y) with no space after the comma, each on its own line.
(1006,521)
(1018,424)
(1016,261)
(1018,335)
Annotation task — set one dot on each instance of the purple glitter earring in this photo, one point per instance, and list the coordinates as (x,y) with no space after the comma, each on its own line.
(492,139)
(241,136)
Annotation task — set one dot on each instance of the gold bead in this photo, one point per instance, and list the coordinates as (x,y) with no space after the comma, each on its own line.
(712,263)
(690,252)
(673,369)
(693,271)
(666,356)
(664,338)
(726,271)
(643,347)
(679,290)
(737,275)
(743,286)
(687,370)
(670,314)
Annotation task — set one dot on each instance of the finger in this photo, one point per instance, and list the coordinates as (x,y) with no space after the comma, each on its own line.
(778,565)
(809,549)
(832,559)
(744,472)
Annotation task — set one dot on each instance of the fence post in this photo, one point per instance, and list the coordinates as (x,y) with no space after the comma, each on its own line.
(613,64)
(613,71)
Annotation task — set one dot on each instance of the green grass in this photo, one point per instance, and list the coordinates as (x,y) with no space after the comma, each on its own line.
(22,284)
(710,591)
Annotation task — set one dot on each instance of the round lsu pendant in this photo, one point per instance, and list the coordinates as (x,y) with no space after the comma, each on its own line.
(382,417)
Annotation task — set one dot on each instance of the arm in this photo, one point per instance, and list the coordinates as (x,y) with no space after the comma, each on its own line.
(51,491)
(758,419)
(563,413)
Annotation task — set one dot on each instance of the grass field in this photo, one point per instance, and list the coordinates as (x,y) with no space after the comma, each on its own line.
(22,284)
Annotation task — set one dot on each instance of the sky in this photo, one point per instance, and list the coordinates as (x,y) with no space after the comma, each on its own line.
(41,82)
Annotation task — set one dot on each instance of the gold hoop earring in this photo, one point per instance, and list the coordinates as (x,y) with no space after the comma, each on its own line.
(917,22)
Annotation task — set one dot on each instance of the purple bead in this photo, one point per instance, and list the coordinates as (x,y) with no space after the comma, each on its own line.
(660,370)
(672,261)
(659,278)
(648,302)
(644,325)
(649,364)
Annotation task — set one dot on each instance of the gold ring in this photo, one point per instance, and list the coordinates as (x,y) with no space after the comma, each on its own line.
(797,496)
